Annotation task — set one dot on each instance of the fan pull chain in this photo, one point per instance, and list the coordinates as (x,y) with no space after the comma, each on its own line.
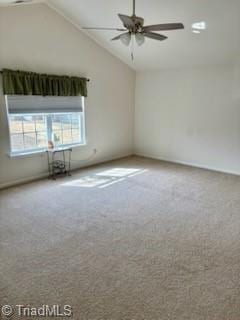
(132,48)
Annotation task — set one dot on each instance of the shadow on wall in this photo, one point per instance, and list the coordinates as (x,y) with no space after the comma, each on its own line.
(105,179)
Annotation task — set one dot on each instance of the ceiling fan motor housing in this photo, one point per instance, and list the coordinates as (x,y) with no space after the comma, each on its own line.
(138,24)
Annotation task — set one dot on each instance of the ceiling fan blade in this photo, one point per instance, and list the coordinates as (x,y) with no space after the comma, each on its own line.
(119,36)
(154,36)
(115,29)
(116,38)
(164,27)
(127,21)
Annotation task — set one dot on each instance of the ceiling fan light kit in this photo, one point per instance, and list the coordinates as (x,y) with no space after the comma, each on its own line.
(134,27)
(140,39)
(125,38)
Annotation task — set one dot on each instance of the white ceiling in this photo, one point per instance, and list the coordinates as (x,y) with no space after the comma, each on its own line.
(218,44)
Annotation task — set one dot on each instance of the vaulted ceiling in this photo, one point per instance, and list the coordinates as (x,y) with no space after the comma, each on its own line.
(218,44)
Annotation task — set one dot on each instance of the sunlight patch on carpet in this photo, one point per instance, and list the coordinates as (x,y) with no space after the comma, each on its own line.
(105,178)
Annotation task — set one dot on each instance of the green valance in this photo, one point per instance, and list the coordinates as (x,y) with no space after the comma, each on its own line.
(30,83)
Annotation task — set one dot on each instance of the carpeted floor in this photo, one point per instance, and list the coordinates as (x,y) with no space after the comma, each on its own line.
(131,239)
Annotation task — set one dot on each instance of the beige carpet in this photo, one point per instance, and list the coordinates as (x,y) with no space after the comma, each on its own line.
(131,239)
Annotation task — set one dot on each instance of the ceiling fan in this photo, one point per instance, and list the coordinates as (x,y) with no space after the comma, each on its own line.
(134,27)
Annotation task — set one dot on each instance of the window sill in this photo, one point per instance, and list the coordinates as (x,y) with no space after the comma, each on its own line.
(39,152)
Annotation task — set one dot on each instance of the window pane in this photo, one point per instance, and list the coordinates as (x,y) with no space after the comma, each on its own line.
(75,136)
(67,136)
(66,128)
(28,123)
(32,131)
(66,121)
(30,140)
(41,139)
(15,124)
(57,137)
(56,122)
(40,122)
(17,142)
(75,120)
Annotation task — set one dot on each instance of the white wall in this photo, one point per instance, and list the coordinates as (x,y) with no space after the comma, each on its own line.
(190,116)
(36,38)
(185,115)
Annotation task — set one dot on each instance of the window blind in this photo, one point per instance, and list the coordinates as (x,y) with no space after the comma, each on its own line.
(18,104)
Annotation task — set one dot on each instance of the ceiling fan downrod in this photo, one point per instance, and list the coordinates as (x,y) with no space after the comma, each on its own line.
(134,7)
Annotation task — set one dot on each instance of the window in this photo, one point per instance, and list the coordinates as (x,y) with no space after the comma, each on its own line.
(34,121)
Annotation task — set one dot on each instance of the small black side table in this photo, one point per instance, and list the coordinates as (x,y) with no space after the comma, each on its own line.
(59,166)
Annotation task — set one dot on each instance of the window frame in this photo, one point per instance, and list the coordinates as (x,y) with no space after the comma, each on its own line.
(39,150)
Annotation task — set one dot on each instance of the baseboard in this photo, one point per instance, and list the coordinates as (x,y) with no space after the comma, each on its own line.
(45,175)
(105,160)
(187,163)
(23,181)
